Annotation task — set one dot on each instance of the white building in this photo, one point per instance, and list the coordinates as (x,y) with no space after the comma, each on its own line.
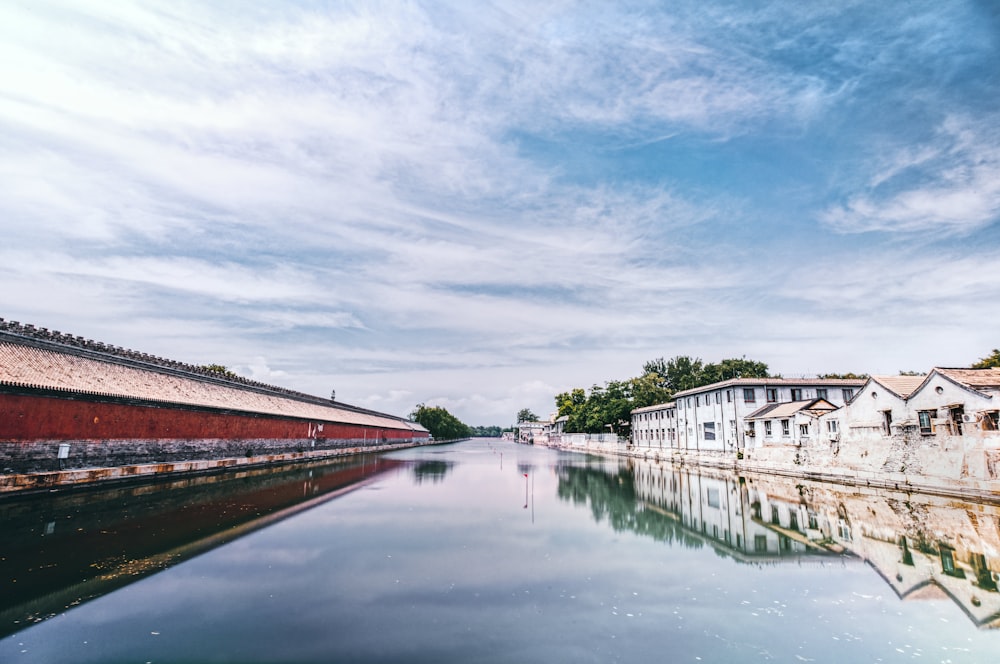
(713,417)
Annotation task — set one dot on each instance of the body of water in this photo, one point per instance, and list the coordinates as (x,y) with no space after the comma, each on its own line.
(487,551)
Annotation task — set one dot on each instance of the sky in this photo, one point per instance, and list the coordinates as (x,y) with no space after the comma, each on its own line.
(478,205)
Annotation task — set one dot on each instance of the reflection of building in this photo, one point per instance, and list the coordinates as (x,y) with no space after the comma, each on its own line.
(731,513)
(924,547)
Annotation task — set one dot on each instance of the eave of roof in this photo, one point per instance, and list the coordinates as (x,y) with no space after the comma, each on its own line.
(774,382)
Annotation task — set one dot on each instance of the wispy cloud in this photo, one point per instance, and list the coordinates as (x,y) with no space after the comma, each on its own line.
(951,185)
(474,204)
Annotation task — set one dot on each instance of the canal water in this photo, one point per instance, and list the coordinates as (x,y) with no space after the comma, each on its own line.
(487,551)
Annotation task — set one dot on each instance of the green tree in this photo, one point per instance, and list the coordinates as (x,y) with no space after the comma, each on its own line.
(850,375)
(733,368)
(525,415)
(990,361)
(442,424)
(219,369)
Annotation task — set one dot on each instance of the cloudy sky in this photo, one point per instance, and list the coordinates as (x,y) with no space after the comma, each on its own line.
(478,205)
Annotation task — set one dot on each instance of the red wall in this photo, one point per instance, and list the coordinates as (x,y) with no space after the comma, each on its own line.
(28,418)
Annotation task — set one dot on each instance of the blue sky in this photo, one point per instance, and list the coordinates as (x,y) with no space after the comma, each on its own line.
(479,205)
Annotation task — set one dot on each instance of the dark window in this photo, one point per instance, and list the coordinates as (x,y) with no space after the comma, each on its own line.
(821,393)
(748,395)
(796,394)
(848,393)
(785,428)
(924,416)
(767,427)
(774,515)
(772,395)
(760,543)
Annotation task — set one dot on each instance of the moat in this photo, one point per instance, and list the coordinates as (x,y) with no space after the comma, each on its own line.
(489,551)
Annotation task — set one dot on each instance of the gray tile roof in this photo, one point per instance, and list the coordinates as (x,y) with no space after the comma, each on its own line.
(37,367)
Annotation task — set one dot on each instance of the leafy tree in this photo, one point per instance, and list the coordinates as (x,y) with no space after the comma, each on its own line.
(442,424)
(855,376)
(685,373)
(733,368)
(912,373)
(219,369)
(525,415)
(990,361)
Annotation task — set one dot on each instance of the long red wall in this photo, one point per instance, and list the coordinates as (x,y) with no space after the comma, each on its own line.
(31,418)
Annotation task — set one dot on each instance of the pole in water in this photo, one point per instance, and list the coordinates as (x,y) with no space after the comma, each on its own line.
(526,491)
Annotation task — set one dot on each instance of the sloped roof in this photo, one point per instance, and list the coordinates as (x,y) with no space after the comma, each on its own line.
(37,367)
(975,378)
(658,406)
(790,408)
(901,386)
(774,382)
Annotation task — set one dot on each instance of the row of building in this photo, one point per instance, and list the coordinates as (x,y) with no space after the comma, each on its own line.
(742,414)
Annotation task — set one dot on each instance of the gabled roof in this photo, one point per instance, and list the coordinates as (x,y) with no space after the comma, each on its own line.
(790,408)
(976,379)
(901,386)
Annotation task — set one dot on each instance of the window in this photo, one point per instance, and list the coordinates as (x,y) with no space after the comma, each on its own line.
(760,543)
(793,521)
(709,430)
(718,397)
(926,427)
(748,395)
(774,515)
(803,429)
(785,428)
(729,396)
(751,429)
(697,401)
(772,394)
(796,394)
(848,393)
(713,497)
(821,393)
(767,427)
(831,426)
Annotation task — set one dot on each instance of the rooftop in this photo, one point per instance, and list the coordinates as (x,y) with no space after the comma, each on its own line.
(37,359)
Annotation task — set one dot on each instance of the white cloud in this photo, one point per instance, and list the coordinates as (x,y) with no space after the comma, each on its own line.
(949,186)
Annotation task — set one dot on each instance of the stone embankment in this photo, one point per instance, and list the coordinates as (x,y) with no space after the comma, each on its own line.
(952,468)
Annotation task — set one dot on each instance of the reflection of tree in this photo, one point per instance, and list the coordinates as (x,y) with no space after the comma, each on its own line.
(430,470)
(612,496)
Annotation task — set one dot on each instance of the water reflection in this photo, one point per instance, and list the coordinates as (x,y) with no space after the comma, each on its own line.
(923,546)
(433,471)
(64,549)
